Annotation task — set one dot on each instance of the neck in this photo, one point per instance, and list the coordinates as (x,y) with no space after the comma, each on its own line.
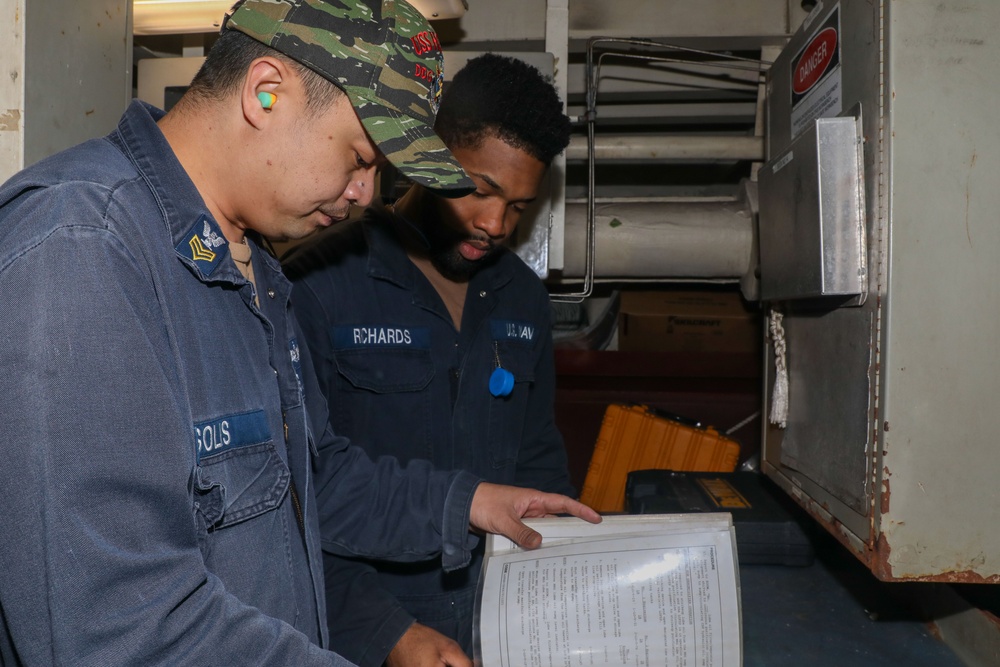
(409,213)
(198,139)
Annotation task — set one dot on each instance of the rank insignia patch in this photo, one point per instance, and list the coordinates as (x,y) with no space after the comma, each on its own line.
(203,244)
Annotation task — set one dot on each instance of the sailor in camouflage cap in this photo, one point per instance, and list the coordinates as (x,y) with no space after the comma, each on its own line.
(141,263)
(388,60)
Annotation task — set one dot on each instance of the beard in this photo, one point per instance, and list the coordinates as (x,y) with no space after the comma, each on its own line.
(443,253)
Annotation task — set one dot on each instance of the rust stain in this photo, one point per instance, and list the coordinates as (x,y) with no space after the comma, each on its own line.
(886,493)
(10,120)
(953,577)
(880,561)
(885,426)
(837,529)
(883,570)
(876,557)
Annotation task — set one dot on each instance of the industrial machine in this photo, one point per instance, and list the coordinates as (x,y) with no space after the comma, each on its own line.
(877,242)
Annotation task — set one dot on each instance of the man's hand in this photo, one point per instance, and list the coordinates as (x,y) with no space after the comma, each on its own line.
(421,646)
(499,509)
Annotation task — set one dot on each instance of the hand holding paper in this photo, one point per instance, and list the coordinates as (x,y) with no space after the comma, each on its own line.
(498,509)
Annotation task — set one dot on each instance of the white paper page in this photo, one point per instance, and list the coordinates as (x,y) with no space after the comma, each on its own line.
(561,530)
(652,601)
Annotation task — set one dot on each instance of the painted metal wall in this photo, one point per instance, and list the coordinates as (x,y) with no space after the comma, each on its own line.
(940,370)
(66,75)
(11,88)
(524,20)
(892,416)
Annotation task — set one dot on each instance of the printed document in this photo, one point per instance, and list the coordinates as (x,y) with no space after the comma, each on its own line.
(647,590)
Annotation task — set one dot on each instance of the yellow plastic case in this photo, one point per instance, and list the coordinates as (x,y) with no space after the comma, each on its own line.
(634,437)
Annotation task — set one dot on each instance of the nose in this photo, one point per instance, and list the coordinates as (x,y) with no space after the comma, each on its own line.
(361,189)
(492,221)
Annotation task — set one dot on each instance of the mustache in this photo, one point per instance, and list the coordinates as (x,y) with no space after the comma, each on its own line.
(483,242)
(337,214)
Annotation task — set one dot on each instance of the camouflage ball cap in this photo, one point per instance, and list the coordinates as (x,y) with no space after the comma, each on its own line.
(387,59)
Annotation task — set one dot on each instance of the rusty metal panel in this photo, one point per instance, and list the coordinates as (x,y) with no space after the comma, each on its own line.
(941,370)
(826,439)
(924,73)
(828,445)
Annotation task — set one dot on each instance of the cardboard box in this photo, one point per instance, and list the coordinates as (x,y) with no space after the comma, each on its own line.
(675,321)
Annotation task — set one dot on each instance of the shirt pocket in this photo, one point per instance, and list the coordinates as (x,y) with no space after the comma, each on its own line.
(240,484)
(386,371)
(383,401)
(507,413)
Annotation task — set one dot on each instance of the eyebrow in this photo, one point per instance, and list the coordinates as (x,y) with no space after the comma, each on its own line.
(499,188)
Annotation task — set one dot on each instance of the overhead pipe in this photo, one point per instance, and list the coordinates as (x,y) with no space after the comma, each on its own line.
(744,245)
(666,147)
(684,239)
(710,239)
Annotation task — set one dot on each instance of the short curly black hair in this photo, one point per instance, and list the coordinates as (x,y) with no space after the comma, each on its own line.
(507,98)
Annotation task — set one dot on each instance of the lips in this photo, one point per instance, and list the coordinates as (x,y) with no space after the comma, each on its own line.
(473,250)
(330,217)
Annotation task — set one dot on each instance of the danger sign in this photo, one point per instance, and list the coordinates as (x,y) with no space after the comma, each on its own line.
(819,57)
(815,61)
(816,75)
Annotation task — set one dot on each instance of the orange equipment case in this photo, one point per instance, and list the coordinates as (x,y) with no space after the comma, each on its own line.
(634,437)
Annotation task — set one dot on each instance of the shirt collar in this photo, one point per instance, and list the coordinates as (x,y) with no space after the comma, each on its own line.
(196,236)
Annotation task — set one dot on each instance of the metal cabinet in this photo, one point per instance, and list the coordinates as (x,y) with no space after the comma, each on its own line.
(892,397)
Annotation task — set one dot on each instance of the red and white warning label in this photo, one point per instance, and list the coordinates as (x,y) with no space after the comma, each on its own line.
(817,89)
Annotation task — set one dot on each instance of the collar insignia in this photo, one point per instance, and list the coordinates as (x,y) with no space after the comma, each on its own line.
(200,244)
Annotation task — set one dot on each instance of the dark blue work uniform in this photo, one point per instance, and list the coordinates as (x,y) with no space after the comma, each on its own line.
(169,471)
(402,381)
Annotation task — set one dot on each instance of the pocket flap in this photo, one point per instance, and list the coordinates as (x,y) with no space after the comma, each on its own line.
(242,483)
(386,370)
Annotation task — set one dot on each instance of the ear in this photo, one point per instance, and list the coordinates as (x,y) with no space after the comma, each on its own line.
(265,75)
